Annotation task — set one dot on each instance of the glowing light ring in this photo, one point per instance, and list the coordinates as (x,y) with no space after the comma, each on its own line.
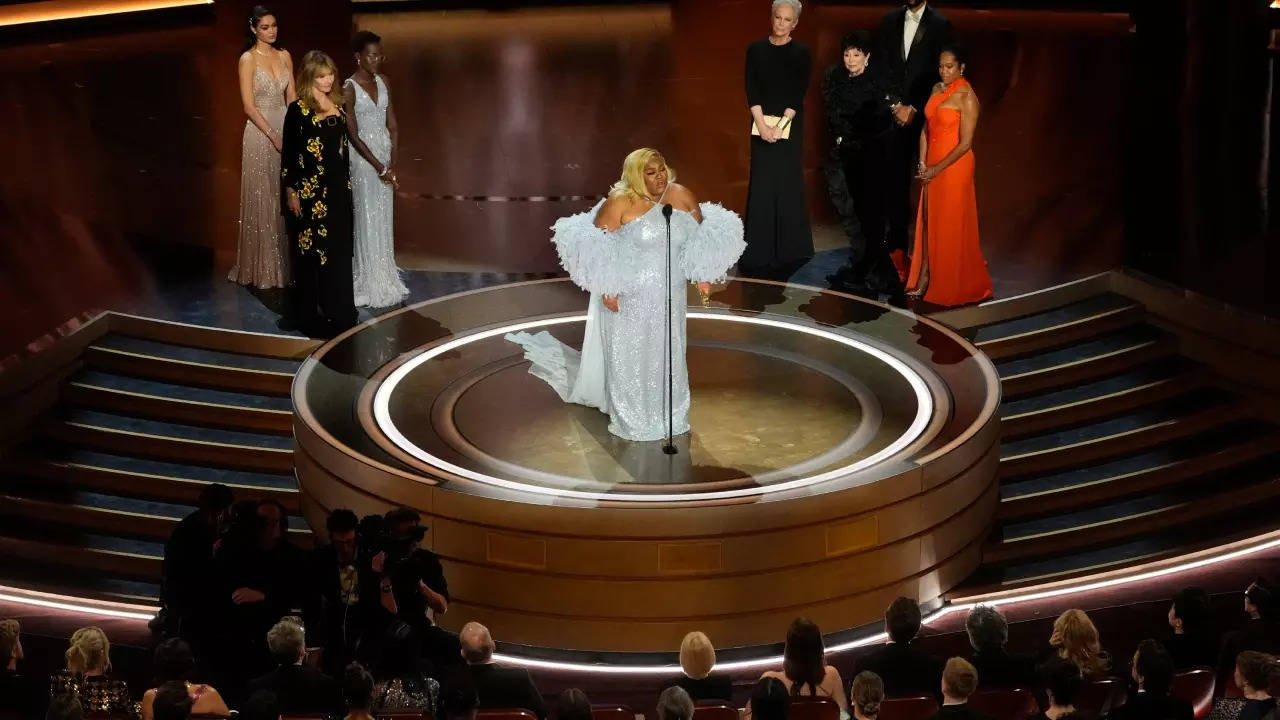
(924,412)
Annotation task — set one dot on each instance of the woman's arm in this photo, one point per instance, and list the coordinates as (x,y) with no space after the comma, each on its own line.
(353,130)
(609,217)
(246,69)
(837,692)
(968,124)
(800,84)
(218,706)
(290,93)
(292,160)
(393,127)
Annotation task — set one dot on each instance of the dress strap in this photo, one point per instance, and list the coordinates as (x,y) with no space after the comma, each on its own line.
(664,193)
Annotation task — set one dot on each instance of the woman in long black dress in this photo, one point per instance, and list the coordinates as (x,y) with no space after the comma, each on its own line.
(777,221)
(315,174)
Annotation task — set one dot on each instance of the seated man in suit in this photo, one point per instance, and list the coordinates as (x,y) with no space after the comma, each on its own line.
(1153,672)
(959,680)
(298,689)
(988,633)
(497,686)
(905,670)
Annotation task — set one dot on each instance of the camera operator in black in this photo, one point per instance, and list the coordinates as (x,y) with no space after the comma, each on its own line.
(420,589)
(860,125)
(344,599)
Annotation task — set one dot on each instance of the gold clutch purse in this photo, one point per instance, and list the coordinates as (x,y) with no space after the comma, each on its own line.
(774,120)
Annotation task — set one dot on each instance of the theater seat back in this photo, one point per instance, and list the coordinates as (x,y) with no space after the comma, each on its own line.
(919,707)
(714,711)
(813,708)
(1196,687)
(1005,703)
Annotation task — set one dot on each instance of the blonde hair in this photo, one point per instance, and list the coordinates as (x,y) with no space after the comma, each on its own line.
(1080,642)
(632,180)
(959,678)
(316,63)
(89,650)
(9,632)
(867,693)
(697,655)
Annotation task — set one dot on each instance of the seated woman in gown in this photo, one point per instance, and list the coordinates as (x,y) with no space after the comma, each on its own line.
(617,252)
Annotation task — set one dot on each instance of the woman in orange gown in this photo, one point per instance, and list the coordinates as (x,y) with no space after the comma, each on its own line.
(947,267)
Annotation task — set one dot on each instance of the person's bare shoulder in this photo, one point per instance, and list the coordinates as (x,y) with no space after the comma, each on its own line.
(682,197)
(609,216)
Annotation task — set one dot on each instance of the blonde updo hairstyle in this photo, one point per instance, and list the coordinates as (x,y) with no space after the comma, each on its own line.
(866,693)
(1080,643)
(89,651)
(632,181)
(314,64)
(697,655)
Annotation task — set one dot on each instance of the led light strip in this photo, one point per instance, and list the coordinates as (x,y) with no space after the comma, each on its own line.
(924,412)
(74,604)
(29,13)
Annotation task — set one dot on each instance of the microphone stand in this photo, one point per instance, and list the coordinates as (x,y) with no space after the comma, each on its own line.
(670,447)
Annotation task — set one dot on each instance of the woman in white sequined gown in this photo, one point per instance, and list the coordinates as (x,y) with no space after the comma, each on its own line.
(371,125)
(617,252)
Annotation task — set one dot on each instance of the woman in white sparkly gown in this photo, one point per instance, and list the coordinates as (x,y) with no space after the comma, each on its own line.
(371,125)
(617,252)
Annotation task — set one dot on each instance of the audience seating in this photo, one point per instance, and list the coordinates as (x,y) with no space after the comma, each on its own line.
(714,710)
(1100,697)
(402,716)
(1195,686)
(1005,704)
(813,708)
(918,707)
(612,712)
(506,714)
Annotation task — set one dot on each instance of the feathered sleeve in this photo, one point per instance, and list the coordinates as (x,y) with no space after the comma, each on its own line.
(713,246)
(597,260)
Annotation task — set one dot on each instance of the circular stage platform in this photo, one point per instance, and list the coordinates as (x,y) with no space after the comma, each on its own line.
(843,453)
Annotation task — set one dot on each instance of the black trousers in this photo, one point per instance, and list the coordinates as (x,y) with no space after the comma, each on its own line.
(904,149)
(866,167)
(323,294)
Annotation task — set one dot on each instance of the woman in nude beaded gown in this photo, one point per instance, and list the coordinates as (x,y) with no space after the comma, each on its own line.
(266,89)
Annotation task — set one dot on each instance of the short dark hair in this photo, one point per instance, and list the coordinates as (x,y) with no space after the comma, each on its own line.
(403,515)
(459,700)
(65,706)
(858,40)
(357,687)
(341,520)
(363,39)
(1263,597)
(1062,679)
(173,661)
(262,705)
(572,704)
(987,628)
(770,700)
(961,55)
(902,618)
(1256,668)
(172,702)
(1154,666)
(215,498)
(1191,606)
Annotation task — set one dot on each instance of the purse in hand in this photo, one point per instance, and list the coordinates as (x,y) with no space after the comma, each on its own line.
(774,120)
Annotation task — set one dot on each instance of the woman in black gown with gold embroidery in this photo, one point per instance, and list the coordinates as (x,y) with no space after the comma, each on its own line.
(315,174)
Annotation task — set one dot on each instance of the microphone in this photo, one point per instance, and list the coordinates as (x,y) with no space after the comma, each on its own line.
(669,448)
(666,211)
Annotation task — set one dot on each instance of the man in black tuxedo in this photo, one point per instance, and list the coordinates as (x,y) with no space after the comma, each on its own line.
(298,689)
(497,686)
(905,670)
(997,667)
(910,38)
(1153,672)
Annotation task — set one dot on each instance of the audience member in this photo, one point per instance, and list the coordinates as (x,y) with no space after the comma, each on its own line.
(357,692)
(64,706)
(572,704)
(769,700)
(1252,675)
(460,702)
(189,584)
(1191,642)
(497,686)
(697,659)
(174,662)
(804,668)
(407,687)
(172,701)
(903,668)
(18,694)
(959,680)
(262,705)
(298,688)
(344,596)
(1062,682)
(673,704)
(1076,639)
(865,696)
(1153,673)
(911,38)
(988,634)
(1260,632)
(87,676)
